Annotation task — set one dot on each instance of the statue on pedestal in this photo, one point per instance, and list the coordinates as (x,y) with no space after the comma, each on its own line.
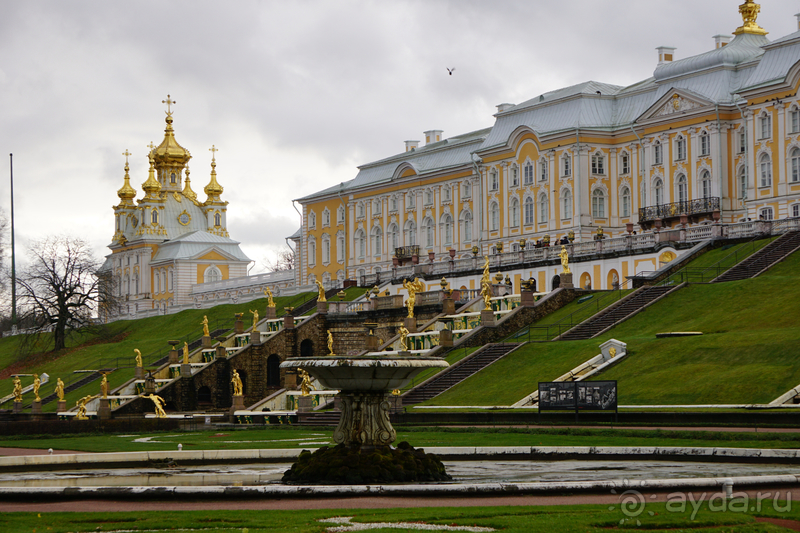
(305,383)
(139,362)
(36,384)
(17,389)
(486,286)
(403,337)
(268,293)
(330,343)
(185,353)
(413,287)
(158,403)
(206,333)
(237,384)
(81,405)
(255,321)
(564,255)
(60,389)
(104,386)
(321,295)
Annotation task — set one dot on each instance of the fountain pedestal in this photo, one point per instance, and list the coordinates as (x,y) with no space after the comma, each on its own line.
(365,420)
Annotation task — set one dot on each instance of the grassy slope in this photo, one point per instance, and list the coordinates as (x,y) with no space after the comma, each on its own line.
(747,353)
(150,335)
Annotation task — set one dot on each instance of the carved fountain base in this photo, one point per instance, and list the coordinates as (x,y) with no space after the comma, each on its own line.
(365,420)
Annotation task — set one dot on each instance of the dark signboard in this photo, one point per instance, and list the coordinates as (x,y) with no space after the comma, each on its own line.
(578,395)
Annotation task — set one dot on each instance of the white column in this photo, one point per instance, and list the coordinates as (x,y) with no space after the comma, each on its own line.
(780,157)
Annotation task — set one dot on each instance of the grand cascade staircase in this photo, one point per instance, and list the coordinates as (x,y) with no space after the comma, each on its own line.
(459,372)
(763,259)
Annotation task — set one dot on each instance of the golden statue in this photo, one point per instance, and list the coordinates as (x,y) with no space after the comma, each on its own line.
(139,362)
(486,286)
(237,383)
(321,296)
(396,392)
(305,384)
(255,322)
(330,343)
(158,403)
(36,384)
(612,352)
(185,353)
(17,389)
(81,405)
(413,287)
(564,255)
(403,336)
(206,333)
(104,386)
(749,11)
(60,389)
(268,293)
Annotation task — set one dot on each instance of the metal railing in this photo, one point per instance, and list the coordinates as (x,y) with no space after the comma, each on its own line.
(676,209)
(405,252)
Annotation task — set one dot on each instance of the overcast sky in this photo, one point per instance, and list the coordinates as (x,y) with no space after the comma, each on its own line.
(294,94)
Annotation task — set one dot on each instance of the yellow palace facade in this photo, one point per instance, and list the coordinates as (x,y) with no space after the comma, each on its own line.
(709,139)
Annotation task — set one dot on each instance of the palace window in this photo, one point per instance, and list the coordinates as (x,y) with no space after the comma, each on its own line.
(742,182)
(765,170)
(340,248)
(683,189)
(393,204)
(625,202)
(543,169)
(391,235)
(494,180)
(466,190)
(528,173)
(217,220)
(567,165)
(377,207)
(377,240)
(326,218)
(625,163)
(466,226)
(211,275)
(514,213)
(326,251)
(794,120)
(796,210)
(361,210)
(680,148)
(566,205)
(412,200)
(429,197)
(361,244)
(657,153)
(659,190)
(494,217)
(765,213)
(312,221)
(514,176)
(705,184)
(598,164)
(528,211)
(598,204)
(411,233)
(447,227)
(542,208)
(154,216)
(705,148)
(765,126)
(795,159)
(742,140)
(446,193)
(340,215)
(312,253)
(427,229)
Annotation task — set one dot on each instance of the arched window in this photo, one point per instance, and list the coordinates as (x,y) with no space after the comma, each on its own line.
(598,204)
(391,235)
(154,216)
(466,226)
(543,208)
(742,182)
(411,233)
(361,244)
(705,183)
(427,231)
(765,170)
(514,212)
(274,371)
(566,205)
(377,240)
(683,189)
(658,186)
(447,229)
(795,158)
(794,120)
(625,202)
(217,219)
(528,211)
(494,217)
(212,274)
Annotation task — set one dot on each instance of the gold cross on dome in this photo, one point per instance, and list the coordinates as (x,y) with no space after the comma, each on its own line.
(126,153)
(213,151)
(169,101)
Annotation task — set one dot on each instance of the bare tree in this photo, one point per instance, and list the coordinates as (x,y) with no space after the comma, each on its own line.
(284,260)
(62,286)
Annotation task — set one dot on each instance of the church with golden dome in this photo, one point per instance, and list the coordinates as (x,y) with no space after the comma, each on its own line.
(169,240)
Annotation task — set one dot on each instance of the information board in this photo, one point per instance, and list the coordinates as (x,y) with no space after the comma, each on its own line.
(578,395)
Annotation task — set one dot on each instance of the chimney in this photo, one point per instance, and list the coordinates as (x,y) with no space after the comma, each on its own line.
(665,54)
(721,40)
(798,20)
(503,107)
(411,145)
(433,136)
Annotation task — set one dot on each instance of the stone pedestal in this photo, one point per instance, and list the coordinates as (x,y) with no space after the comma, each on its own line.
(446,338)
(396,403)
(61,406)
(238,405)
(104,411)
(206,341)
(449,306)
(322,308)
(410,322)
(372,343)
(304,404)
(238,326)
(221,353)
(255,338)
(288,322)
(271,314)
(527,299)
(566,281)
(36,407)
(365,420)
(174,357)
(139,372)
(487,318)
(149,384)
(186,370)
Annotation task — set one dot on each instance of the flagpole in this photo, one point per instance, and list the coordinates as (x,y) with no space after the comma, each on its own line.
(13,257)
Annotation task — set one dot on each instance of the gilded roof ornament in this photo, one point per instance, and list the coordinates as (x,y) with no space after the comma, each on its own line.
(213,189)
(169,152)
(749,11)
(151,187)
(187,188)
(126,193)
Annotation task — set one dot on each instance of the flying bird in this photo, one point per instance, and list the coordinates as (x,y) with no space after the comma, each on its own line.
(451,70)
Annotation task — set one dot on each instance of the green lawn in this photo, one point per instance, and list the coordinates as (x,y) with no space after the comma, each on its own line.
(748,353)
(677,514)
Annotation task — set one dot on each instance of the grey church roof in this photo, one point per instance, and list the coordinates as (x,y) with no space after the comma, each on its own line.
(197,243)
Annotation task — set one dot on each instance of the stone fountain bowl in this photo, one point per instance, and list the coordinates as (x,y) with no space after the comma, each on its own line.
(364,373)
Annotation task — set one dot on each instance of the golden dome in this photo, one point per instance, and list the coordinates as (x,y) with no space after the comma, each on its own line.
(169,152)
(213,189)
(187,188)
(126,193)
(151,187)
